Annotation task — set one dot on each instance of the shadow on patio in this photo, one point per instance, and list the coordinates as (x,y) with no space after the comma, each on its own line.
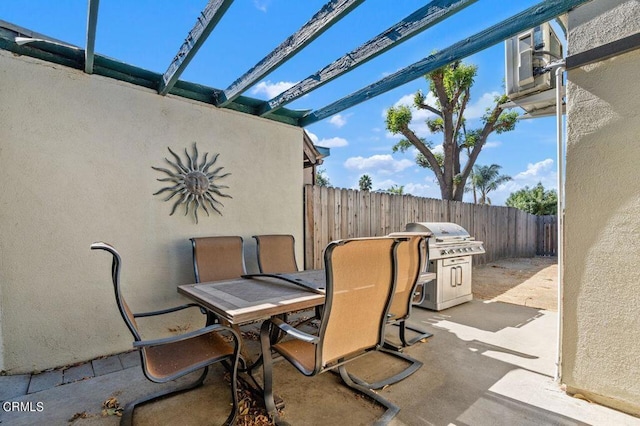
(488,363)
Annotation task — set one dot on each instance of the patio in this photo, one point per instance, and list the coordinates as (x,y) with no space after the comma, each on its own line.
(85,135)
(488,363)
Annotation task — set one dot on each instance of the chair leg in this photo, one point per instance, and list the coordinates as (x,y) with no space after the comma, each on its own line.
(414,365)
(267,368)
(392,409)
(421,334)
(127,414)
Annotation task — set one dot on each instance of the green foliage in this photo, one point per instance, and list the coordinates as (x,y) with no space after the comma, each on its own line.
(456,76)
(450,86)
(534,200)
(398,119)
(435,125)
(470,138)
(396,190)
(365,183)
(322,179)
(486,179)
(421,160)
(403,145)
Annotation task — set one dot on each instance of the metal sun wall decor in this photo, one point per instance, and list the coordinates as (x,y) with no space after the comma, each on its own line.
(194,183)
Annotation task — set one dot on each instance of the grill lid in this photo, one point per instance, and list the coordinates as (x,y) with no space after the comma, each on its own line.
(442,231)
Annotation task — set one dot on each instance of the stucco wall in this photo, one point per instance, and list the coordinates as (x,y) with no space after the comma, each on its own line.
(601,331)
(76,153)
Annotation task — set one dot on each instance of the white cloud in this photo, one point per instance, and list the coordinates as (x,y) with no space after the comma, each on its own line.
(383,164)
(543,171)
(338,120)
(384,185)
(332,142)
(271,89)
(261,5)
(477,109)
(313,137)
(535,170)
(418,189)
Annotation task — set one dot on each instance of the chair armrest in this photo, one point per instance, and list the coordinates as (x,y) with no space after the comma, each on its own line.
(294,332)
(169,310)
(185,336)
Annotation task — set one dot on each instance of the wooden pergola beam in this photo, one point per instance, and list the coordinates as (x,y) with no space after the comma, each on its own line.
(529,18)
(330,13)
(92,25)
(423,18)
(206,22)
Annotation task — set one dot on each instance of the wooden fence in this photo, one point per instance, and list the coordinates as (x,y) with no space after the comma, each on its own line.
(333,213)
(547,235)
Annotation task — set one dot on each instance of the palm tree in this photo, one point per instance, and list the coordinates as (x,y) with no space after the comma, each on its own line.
(396,190)
(486,179)
(365,183)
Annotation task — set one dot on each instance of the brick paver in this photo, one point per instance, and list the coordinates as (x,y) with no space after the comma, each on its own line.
(107,365)
(78,372)
(130,359)
(12,386)
(45,380)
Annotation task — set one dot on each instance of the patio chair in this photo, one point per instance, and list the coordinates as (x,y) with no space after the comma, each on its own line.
(359,287)
(408,255)
(276,253)
(217,258)
(169,358)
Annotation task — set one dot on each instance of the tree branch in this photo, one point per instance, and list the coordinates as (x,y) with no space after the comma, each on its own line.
(430,108)
(424,150)
(489,127)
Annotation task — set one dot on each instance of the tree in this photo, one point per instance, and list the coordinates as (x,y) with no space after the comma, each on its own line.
(322,179)
(486,179)
(451,86)
(365,183)
(396,190)
(534,200)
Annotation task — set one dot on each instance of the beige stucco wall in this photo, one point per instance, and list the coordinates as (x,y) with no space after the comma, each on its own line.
(601,304)
(76,152)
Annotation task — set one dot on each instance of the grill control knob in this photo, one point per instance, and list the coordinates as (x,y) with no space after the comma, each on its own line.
(443,252)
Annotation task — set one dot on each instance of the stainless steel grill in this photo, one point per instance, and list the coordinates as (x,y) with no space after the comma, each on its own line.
(450,253)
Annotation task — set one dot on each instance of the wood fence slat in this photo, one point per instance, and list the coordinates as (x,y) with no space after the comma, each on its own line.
(332,213)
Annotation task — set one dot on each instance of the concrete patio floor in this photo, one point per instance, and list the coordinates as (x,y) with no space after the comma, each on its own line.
(487,363)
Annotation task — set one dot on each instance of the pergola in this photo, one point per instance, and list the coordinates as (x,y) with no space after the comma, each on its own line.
(25,42)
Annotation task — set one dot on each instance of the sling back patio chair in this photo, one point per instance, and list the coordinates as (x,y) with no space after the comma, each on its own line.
(217,258)
(169,358)
(359,287)
(276,253)
(408,268)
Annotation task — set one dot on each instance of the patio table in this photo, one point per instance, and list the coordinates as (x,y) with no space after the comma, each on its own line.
(244,300)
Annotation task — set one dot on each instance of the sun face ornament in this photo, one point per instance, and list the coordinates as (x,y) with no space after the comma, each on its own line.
(195,184)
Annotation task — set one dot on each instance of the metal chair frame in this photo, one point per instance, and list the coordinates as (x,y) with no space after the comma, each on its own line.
(230,361)
(402,320)
(266,344)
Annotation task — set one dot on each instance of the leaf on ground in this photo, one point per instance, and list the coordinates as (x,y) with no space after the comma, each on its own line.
(111,407)
(82,415)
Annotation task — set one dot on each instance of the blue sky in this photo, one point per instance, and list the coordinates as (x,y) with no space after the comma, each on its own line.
(149,33)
